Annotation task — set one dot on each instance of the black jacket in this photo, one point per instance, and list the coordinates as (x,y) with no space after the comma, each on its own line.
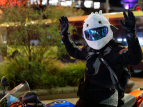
(115,54)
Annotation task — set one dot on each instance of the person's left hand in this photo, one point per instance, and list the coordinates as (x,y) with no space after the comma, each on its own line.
(130,22)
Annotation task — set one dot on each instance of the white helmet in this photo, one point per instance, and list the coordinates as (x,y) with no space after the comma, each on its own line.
(97,30)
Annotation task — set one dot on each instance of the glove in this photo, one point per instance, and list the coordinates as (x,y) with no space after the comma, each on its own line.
(129,25)
(64,23)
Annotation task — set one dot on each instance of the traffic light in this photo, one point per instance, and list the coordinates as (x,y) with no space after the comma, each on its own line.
(141,4)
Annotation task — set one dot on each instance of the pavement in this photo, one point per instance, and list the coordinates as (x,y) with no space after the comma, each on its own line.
(138,84)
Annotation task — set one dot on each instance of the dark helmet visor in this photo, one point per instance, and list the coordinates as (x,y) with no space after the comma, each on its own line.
(96,33)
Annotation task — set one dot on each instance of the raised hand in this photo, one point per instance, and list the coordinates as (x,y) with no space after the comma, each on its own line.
(130,23)
(64,23)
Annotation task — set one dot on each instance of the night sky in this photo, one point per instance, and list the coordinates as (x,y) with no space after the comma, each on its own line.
(115,3)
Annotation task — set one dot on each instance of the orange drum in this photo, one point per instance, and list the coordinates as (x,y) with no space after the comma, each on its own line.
(15,103)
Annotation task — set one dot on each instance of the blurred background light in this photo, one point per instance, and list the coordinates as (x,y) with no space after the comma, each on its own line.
(140,40)
(127,6)
(88,4)
(138,8)
(124,40)
(96,5)
(66,3)
(53,2)
(119,39)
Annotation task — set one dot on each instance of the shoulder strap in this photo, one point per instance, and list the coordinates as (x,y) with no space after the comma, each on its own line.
(113,76)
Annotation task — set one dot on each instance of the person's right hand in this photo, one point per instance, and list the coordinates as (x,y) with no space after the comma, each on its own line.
(64,23)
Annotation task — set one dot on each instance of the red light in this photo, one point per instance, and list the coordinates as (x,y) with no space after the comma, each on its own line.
(138,8)
(12,2)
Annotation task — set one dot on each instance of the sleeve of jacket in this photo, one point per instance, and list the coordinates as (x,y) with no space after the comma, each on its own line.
(73,50)
(131,55)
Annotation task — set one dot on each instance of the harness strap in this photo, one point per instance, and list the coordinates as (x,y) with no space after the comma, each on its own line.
(113,76)
(112,73)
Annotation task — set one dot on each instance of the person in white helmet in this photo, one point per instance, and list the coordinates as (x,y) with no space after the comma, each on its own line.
(106,73)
